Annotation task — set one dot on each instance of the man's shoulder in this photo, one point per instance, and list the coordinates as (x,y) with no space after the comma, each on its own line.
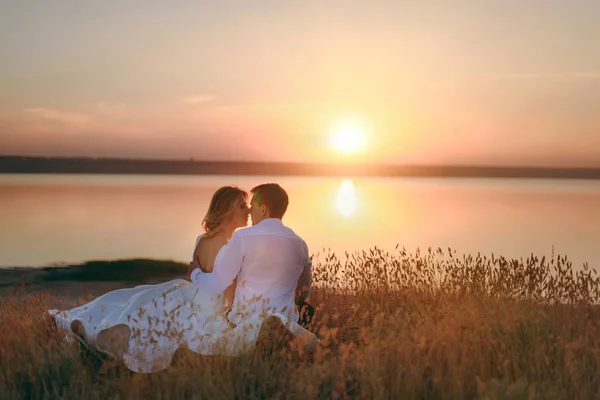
(289,232)
(242,231)
(249,230)
(280,230)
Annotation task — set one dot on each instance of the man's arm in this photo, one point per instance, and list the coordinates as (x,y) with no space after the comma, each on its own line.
(227,266)
(305,280)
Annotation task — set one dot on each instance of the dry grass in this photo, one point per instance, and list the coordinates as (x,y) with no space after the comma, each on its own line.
(410,326)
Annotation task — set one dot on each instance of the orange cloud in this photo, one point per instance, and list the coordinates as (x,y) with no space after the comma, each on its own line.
(64,117)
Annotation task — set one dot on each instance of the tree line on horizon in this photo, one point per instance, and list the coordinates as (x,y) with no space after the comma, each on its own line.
(92,165)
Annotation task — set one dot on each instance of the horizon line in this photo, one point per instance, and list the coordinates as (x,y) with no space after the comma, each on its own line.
(350,164)
(128,166)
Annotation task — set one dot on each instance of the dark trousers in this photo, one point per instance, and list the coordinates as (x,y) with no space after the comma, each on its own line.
(306,311)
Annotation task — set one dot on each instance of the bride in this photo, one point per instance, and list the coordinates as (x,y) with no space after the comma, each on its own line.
(145,325)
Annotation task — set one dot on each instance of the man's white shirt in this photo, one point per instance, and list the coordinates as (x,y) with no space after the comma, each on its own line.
(270,261)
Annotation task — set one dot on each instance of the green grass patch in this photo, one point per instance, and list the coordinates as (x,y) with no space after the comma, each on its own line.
(130,270)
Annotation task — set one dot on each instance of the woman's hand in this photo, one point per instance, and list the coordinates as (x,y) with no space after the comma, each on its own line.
(193,265)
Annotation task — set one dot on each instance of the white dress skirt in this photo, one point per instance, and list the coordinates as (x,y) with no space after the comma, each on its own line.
(164,317)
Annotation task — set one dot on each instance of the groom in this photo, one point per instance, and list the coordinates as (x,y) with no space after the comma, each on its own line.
(270,261)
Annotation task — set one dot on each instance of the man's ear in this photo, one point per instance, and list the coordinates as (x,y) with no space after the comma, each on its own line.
(264,211)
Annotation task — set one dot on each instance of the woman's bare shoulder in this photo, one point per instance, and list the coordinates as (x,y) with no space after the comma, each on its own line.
(199,238)
(200,246)
(201,241)
(212,242)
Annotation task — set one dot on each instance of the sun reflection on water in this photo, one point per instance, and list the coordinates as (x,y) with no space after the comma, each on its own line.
(346,202)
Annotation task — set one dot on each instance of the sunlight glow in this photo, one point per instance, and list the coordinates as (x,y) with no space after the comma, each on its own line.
(346,200)
(348,136)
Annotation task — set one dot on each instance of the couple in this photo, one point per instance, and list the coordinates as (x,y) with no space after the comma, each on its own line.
(240,281)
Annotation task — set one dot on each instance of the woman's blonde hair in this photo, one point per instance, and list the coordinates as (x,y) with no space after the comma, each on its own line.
(222,204)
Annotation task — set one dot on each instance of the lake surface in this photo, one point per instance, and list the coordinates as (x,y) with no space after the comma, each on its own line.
(47,219)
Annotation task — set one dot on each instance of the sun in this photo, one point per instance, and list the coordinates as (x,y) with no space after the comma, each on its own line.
(348,136)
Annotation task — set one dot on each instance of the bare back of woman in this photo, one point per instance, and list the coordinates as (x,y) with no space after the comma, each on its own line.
(205,254)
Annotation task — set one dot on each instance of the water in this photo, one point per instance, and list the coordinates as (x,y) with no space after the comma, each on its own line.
(48,219)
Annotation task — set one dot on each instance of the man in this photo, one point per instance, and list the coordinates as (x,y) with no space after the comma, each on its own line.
(270,261)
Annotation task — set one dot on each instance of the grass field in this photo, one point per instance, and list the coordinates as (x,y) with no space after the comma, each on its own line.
(428,325)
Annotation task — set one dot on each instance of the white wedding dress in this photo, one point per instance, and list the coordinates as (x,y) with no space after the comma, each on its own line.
(164,317)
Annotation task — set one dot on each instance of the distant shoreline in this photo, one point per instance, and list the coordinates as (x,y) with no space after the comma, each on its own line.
(92,278)
(83,165)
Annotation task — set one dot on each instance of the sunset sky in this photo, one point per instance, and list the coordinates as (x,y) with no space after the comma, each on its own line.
(446,82)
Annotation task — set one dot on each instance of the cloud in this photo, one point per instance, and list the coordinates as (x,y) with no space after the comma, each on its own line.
(70,118)
(197,99)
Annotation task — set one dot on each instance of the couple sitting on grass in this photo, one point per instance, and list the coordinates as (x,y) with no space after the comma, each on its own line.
(241,283)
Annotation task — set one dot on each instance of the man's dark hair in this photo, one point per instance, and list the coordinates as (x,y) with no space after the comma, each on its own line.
(273,196)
